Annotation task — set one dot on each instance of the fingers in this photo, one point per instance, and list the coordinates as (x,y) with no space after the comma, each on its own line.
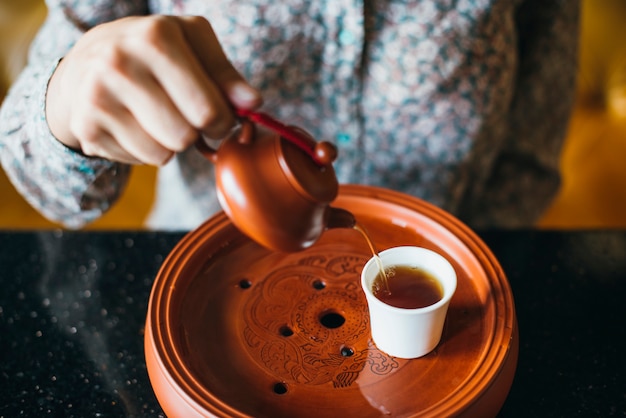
(135,141)
(108,130)
(105,146)
(207,48)
(184,79)
(150,105)
(127,144)
(191,76)
(140,88)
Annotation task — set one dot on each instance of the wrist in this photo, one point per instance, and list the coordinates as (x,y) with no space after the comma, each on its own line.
(56,113)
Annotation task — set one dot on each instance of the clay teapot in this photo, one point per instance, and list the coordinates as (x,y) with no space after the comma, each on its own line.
(275,183)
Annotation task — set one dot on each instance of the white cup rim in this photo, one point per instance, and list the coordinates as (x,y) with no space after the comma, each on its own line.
(449,289)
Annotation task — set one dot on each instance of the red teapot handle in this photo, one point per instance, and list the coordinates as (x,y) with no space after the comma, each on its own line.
(323,153)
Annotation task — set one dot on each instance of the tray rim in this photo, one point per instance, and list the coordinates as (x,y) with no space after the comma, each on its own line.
(177,262)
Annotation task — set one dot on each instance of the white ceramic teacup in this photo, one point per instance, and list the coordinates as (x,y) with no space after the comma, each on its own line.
(402,332)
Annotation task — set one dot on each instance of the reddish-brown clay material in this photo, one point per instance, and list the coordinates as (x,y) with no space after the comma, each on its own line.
(236,330)
(273,191)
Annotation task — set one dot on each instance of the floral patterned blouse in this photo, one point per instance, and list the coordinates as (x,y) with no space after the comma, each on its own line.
(462,103)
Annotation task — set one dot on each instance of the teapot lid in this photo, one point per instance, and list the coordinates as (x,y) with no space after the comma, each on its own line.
(313,180)
(307,164)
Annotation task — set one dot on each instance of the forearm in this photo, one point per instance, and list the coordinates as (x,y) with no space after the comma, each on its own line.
(62,184)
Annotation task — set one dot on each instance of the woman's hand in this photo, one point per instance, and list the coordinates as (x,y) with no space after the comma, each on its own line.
(139,89)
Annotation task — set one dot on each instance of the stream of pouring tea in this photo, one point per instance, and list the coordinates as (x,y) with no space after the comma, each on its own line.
(381,267)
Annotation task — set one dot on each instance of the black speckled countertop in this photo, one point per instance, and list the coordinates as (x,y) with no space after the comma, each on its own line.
(73,306)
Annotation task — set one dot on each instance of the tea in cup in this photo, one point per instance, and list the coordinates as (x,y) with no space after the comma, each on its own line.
(408,304)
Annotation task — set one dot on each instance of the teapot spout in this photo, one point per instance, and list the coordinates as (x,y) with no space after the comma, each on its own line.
(339,218)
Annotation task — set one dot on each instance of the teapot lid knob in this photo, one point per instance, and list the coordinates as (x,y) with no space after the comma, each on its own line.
(325,153)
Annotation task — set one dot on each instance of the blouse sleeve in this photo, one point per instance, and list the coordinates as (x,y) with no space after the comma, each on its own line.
(525,176)
(65,186)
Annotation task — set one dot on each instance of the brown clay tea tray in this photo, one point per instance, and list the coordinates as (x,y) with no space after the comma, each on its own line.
(236,330)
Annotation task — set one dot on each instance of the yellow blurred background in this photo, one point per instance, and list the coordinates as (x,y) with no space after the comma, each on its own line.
(593,194)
